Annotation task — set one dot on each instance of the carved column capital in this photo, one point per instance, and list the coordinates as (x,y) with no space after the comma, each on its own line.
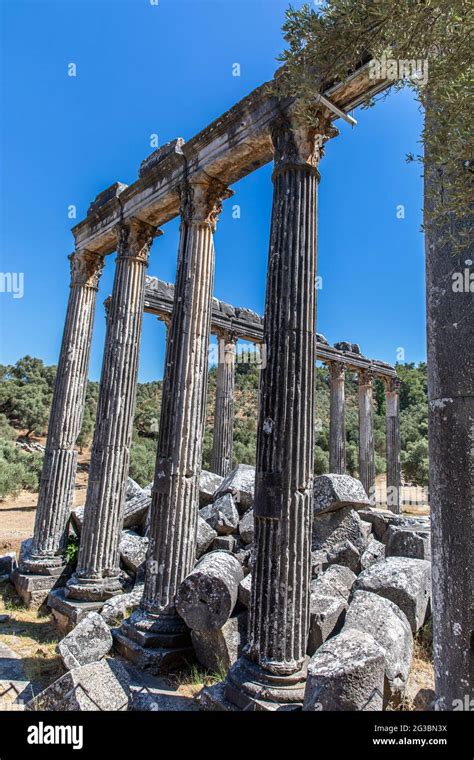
(392,384)
(134,239)
(165,318)
(299,146)
(86,268)
(337,370)
(201,201)
(366,377)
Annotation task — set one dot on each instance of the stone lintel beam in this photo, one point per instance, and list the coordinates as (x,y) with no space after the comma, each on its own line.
(234,145)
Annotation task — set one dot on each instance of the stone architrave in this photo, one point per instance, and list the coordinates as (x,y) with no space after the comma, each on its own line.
(97,576)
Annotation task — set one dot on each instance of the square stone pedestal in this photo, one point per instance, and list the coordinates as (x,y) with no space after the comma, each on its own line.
(34,589)
(68,612)
(155,660)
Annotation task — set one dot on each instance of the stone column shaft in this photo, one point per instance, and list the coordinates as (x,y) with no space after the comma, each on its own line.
(366,432)
(97,574)
(175,497)
(392,406)
(224,409)
(60,462)
(337,428)
(273,668)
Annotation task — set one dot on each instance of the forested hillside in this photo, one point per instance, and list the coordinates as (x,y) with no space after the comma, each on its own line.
(26,392)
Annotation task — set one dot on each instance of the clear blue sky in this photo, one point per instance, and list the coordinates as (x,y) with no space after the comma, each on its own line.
(167,69)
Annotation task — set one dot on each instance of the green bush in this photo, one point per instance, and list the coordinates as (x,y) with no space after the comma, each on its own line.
(19,470)
(142,460)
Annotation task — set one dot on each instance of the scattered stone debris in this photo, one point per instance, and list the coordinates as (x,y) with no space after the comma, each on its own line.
(333,492)
(88,642)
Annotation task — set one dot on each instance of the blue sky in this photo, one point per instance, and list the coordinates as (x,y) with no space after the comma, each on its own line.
(166,69)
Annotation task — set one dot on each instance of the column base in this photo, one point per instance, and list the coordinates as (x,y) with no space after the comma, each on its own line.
(250,687)
(34,589)
(156,643)
(39,564)
(67,612)
(93,589)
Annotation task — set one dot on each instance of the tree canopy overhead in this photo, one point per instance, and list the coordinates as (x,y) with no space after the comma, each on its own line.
(326,43)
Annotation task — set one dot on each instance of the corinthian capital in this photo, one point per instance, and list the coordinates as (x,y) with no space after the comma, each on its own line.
(201,201)
(337,370)
(392,384)
(134,239)
(86,268)
(366,376)
(297,145)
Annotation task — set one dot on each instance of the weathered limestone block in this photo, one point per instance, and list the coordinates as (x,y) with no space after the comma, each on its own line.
(224,543)
(205,536)
(120,607)
(245,557)
(132,489)
(218,649)
(405,581)
(385,621)
(408,541)
(7,563)
(245,588)
(333,492)
(332,528)
(319,562)
(328,604)
(132,549)
(346,673)
(88,642)
(136,509)
(374,552)
(241,484)
(206,598)
(99,686)
(221,515)
(382,519)
(209,482)
(346,554)
(247,527)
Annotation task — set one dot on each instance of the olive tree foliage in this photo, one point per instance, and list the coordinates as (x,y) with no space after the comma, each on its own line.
(326,43)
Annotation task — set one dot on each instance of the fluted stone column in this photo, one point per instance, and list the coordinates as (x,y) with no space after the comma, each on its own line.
(337,428)
(272,672)
(60,462)
(224,410)
(392,405)
(155,636)
(366,432)
(98,574)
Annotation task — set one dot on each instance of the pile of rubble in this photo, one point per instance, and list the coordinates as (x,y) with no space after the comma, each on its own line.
(370,593)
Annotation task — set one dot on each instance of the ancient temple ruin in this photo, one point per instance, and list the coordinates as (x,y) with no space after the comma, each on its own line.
(192,179)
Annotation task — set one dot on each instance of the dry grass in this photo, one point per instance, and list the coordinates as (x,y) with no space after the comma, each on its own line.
(32,635)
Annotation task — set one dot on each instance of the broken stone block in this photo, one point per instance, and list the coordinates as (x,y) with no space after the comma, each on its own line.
(319,562)
(337,579)
(205,536)
(406,582)
(346,673)
(245,588)
(375,551)
(132,549)
(221,515)
(207,596)
(120,607)
(241,484)
(218,649)
(88,642)
(332,528)
(209,482)
(326,616)
(345,554)
(247,527)
(245,557)
(382,519)
(224,543)
(132,489)
(408,541)
(333,492)
(98,686)
(7,563)
(390,628)
(136,510)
